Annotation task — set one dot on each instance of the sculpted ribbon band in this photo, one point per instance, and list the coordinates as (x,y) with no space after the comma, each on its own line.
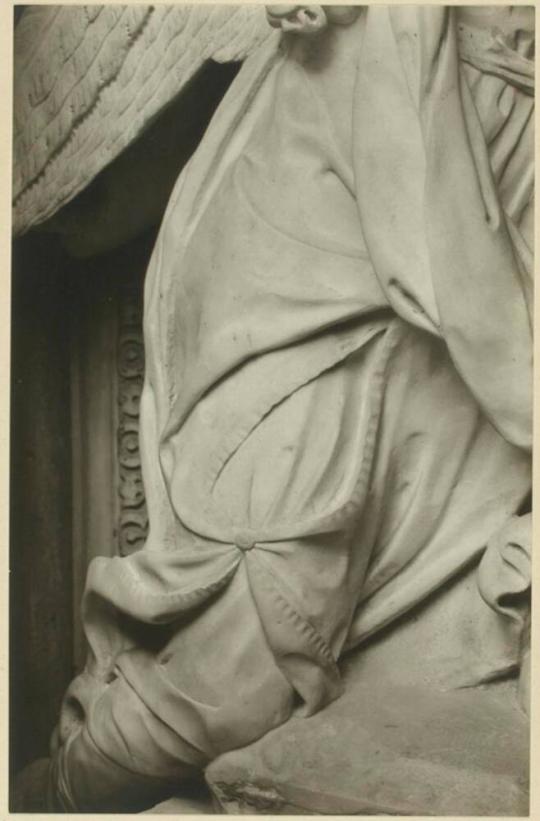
(336,417)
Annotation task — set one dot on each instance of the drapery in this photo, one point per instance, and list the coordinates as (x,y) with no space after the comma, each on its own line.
(337,415)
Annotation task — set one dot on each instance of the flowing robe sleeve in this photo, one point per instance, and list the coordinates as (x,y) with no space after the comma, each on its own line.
(447,252)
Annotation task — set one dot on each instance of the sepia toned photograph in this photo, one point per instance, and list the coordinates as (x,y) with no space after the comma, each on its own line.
(271,409)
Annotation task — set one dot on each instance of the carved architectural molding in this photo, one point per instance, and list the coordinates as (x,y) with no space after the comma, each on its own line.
(132,514)
(107,368)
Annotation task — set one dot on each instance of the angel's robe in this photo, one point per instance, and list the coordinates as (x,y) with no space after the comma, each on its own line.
(336,416)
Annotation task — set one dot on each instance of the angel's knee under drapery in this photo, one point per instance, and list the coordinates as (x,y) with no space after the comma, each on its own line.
(245,632)
(335,418)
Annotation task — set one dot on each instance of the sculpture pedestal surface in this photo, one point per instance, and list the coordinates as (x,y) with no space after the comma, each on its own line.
(391,750)
(388,749)
(408,737)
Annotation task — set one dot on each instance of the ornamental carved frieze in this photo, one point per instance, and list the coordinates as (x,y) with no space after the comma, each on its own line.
(133,517)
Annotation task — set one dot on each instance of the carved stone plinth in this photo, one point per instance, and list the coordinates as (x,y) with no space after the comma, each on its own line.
(386,749)
(404,739)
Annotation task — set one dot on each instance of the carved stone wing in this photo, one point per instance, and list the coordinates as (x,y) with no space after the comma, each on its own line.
(89,79)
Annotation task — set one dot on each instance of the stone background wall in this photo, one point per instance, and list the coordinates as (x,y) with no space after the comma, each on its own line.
(77,375)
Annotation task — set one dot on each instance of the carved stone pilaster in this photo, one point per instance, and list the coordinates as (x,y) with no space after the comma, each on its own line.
(132,513)
(107,365)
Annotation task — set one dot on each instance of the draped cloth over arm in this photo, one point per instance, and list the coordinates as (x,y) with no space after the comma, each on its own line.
(436,227)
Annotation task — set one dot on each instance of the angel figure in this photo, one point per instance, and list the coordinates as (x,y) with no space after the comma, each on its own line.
(337,411)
